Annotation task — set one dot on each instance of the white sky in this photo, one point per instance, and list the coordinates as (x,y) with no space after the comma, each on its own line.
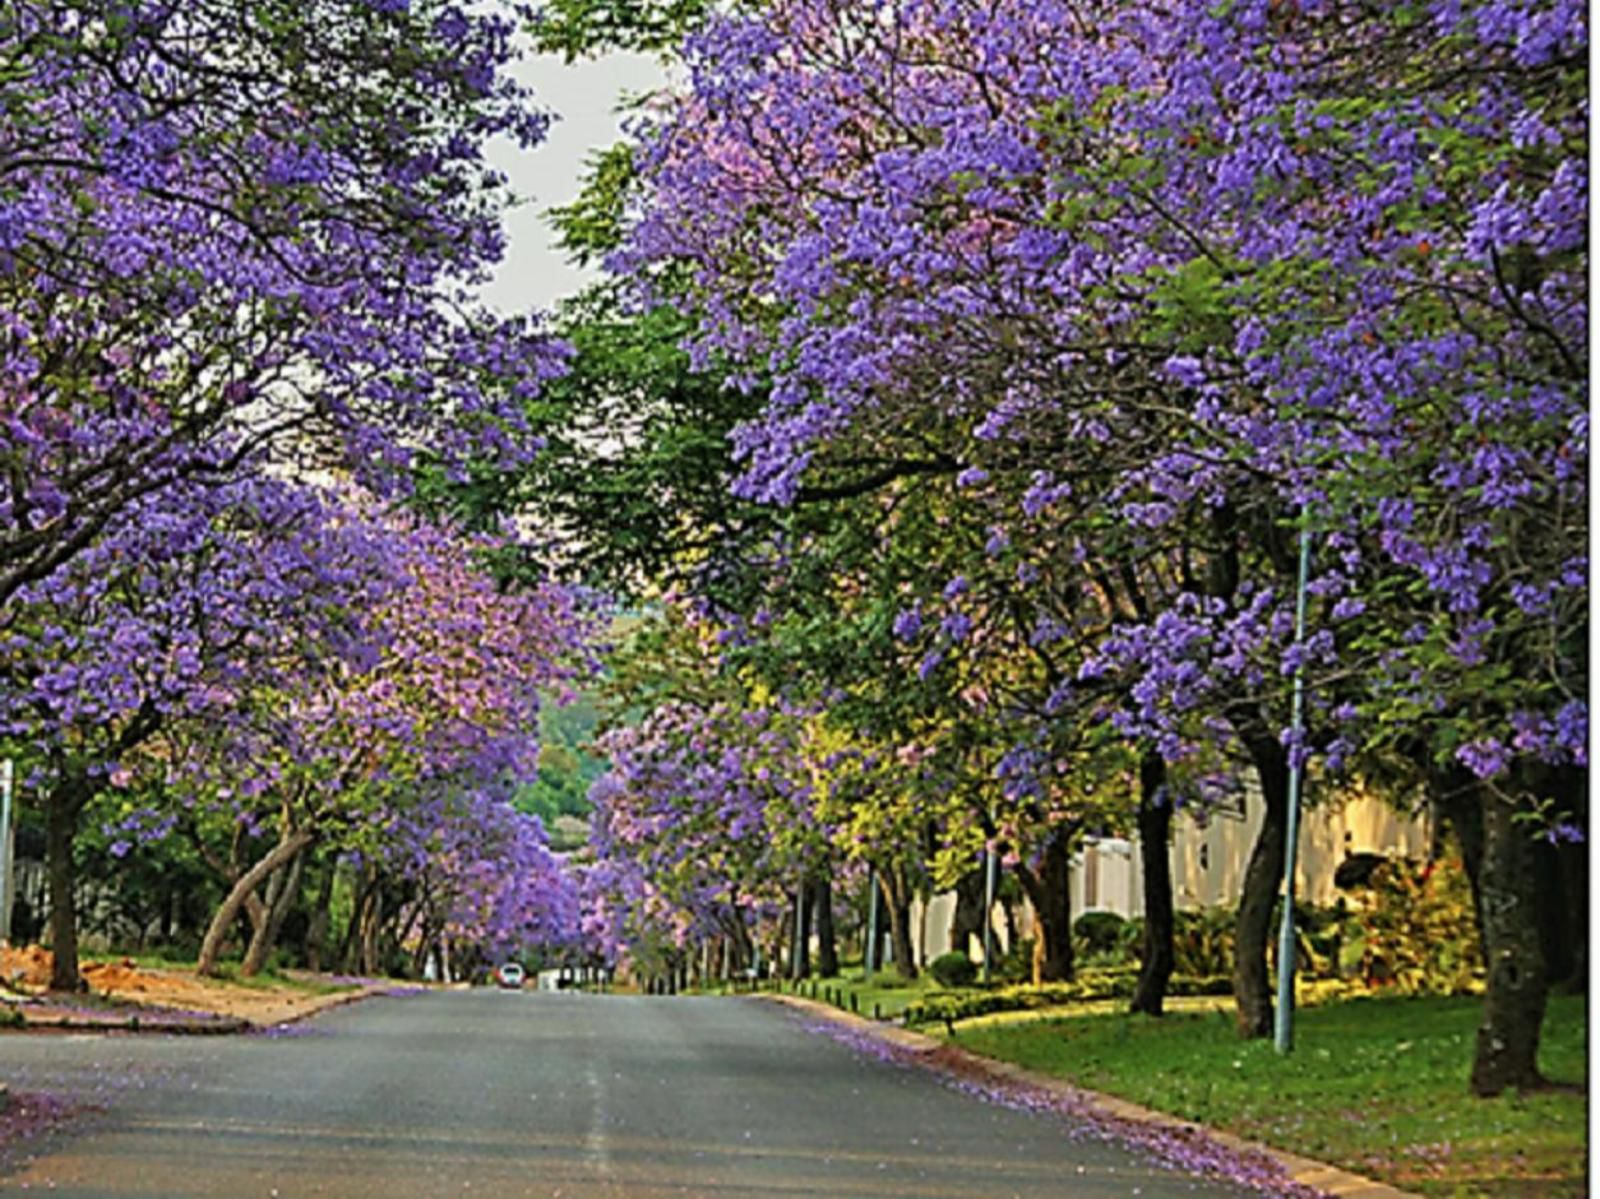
(584,96)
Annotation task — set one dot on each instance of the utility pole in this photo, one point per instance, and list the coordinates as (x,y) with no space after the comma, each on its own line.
(1283,1017)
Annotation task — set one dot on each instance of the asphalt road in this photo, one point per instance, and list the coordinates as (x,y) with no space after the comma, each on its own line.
(507,1094)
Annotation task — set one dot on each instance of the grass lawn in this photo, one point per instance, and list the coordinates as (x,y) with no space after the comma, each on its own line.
(1376,1085)
(891,993)
(888,991)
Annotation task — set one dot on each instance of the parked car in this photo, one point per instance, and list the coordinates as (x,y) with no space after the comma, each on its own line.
(510,975)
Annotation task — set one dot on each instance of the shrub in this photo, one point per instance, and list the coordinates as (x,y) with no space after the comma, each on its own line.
(1090,985)
(1420,930)
(1017,965)
(1101,932)
(1320,936)
(953,970)
(1202,942)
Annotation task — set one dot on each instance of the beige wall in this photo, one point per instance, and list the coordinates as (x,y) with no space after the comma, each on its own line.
(1208,863)
(935,917)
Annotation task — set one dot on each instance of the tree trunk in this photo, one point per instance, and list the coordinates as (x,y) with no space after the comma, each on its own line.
(827,945)
(316,941)
(1049,890)
(745,949)
(1263,878)
(967,920)
(261,919)
(169,915)
(1155,856)
(211,947)
(800,930)
(897,902)
(419,958)
(349,944)
(1513,1008)
(739,953)
(61,828)
(286,892)
(803,949)
(371,925)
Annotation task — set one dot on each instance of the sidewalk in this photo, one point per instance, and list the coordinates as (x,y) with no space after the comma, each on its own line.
(1176,1141)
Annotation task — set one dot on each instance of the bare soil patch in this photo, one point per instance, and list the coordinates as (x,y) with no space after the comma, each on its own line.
(125,984)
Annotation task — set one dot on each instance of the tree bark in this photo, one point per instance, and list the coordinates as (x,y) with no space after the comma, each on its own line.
(1049,890)
(1155,856)
(1263,878)
(967,920)
(1513,1007)
(419,957)
(316,941)
(349,944)
(740,950)
(65,804)
(800,947)
(286,892)
(827,944)
(211,946)
(261,918)
(371,925)
(897,902)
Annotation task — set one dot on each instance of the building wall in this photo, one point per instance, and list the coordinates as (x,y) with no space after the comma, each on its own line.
(1208,863)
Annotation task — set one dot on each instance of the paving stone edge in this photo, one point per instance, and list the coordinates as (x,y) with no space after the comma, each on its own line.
(1331,1180)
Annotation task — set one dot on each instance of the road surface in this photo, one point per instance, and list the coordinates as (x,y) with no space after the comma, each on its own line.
(492,1093)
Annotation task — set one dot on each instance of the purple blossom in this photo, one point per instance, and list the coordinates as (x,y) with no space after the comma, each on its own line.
(908,623)
(1485,757)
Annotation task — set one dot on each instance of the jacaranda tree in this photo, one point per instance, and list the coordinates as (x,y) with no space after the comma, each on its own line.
(1206,276)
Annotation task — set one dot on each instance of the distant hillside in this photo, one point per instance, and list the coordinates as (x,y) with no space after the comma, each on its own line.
(566,768)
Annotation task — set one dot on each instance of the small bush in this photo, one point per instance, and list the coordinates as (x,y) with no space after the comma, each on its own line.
(1101,932)
(1202,942)
(1420,932)
(953,970)
(1090,985)
(1017,965)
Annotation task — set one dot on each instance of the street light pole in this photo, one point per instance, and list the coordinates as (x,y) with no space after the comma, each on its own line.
(1283,1017)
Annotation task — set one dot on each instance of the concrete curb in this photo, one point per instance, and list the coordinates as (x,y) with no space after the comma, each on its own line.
(337,999)
(133,1024)
(1320,1176)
